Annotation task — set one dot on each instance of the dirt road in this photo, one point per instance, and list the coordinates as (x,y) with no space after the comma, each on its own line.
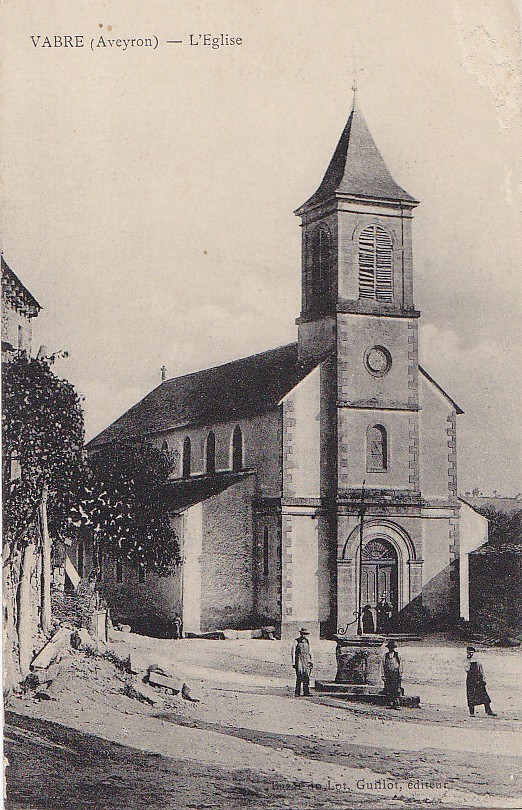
(249,743)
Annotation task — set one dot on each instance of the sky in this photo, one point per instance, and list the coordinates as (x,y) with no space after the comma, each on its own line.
(148,193)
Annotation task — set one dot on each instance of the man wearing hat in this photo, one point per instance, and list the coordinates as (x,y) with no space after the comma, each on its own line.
(302,662)
(476,685)
(392,675)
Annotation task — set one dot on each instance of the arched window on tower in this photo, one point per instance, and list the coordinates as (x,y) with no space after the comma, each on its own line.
(375,264)
(210,453)
(321,260)
(376,449)
(186,457)
(237,449)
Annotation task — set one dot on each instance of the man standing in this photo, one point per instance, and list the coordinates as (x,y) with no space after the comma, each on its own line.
(384,614)
(368,626)
(476,685)
(177,626)
(302,662)
(392,675)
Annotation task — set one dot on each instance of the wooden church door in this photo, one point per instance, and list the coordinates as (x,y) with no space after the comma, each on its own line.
(379,575)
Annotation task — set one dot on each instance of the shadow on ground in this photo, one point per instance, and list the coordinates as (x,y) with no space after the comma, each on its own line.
(52,767)
(478,773)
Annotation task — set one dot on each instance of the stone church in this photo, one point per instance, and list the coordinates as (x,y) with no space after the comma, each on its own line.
(278,454)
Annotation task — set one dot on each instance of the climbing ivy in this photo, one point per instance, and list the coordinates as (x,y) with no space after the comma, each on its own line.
(125,505)
(42,443)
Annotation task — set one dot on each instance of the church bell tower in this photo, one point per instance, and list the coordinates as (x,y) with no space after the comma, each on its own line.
(357,305)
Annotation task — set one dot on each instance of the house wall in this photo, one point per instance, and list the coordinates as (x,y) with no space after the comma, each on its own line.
(473,533)
(17,328)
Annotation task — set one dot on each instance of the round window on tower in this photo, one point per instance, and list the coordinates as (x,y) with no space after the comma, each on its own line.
(378,361)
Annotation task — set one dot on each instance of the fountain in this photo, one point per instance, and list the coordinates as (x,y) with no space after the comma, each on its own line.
(358,674)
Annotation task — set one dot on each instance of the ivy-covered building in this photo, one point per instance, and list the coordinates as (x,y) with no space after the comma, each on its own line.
(19,307)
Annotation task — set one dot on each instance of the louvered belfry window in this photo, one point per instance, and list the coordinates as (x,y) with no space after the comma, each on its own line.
(375,264)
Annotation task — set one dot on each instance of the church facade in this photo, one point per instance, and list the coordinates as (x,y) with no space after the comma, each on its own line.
(317,477)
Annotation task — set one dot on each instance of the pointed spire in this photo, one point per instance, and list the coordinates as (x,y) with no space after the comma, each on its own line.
(357,168)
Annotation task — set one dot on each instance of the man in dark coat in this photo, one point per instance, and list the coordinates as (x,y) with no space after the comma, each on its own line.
(476,685)
(302,662)
(384,614)
(368,625)
(392,675)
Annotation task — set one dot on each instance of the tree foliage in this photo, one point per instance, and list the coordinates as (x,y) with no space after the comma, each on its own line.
(125,505)
(42,442)
(505,528)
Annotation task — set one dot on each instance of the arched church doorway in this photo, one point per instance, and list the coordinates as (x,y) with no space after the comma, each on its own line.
(380,583)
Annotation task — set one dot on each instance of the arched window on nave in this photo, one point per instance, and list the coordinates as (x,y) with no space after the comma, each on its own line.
(237,449)
(186,461)
(210,453)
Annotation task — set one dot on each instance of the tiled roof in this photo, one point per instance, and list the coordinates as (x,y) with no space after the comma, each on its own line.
(17,293)
(507,547)
(357,168)
(495,502)
(251,385)
(182,493)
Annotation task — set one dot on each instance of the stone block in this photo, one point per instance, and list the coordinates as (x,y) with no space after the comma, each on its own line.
(158,677)
(52,649)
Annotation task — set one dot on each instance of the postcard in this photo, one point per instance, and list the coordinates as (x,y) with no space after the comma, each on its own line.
(260,404)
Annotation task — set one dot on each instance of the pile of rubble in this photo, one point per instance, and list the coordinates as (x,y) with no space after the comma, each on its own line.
(140,679)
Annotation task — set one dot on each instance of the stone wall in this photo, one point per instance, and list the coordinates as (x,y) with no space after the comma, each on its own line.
(438,444)
(227,586)
(146,601)
(365,399)
(267,568)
